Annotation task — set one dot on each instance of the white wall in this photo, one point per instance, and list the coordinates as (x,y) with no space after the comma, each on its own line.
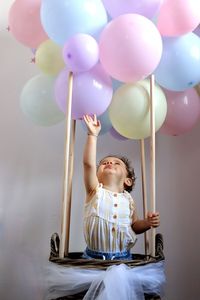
(31,174)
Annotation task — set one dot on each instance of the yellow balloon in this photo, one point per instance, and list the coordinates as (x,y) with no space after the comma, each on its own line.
(48,58)
(129,110)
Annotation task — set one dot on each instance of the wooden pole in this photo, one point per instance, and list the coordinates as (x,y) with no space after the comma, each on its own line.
(70,176)
(197,88)
(144,192)
(152,159)
(71,160)
(66,205)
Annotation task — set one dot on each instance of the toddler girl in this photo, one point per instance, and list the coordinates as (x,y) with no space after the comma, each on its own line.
(110,220)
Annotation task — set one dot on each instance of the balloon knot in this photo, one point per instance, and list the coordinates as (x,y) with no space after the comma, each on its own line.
(33,60)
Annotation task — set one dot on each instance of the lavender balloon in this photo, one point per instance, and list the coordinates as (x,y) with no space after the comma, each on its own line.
(81,53)
(146,8)
(92,92)
(197,30)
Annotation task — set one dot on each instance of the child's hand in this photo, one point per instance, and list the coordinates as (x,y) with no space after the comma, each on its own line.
(153,219)
(93,125)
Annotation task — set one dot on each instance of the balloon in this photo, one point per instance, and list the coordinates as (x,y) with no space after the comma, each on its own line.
(130,110)
(25,24)
(116,84)
(62,19)
(92,92)
(130,48)
(142,7)
(197,31)
(178,17)
(33,50)
(37,101)
(116,135)
(105,123)
(183,112)
(48,58)
(179,68)
(81,53)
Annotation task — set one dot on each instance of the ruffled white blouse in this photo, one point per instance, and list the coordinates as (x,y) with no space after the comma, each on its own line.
(107,221)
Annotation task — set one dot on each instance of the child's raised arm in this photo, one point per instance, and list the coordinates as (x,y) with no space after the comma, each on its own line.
(89,157)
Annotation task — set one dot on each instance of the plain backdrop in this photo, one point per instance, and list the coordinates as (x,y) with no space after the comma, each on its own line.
(31,182)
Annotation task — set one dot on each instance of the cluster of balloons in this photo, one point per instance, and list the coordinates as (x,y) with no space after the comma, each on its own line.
(112,47)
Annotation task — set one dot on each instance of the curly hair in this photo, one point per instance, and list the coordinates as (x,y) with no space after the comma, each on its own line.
(129,169)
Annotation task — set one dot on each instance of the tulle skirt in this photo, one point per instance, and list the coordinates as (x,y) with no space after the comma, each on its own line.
(117,282)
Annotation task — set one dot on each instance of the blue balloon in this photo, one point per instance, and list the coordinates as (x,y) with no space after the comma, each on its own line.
(179,67)
(61,19)
(116,84)
(105,122)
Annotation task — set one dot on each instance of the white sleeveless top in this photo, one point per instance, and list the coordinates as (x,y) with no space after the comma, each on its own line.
(107,221)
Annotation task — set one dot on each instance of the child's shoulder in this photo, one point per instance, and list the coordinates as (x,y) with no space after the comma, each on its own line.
(128,195)
(130,198)
(94,192)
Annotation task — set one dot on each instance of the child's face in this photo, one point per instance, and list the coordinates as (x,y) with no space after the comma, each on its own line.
(112,165)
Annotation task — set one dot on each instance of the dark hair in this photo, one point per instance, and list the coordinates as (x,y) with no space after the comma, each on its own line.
(129,169)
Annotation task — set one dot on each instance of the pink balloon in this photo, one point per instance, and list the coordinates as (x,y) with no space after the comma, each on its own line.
(178,17)
(92,92)
(25,24)
(130,48)
(145,8)
(183,112)
(81,53)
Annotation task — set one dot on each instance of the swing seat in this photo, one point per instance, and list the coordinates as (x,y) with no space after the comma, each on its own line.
(74,259)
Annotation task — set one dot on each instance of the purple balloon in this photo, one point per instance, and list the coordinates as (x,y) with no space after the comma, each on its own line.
(146,8)
(197,31)
(116,135)
(81,53)
(92,92)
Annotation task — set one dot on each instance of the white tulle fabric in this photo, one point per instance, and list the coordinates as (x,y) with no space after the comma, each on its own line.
(117,282)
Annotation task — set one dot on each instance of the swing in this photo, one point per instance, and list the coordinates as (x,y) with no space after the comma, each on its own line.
(59,254)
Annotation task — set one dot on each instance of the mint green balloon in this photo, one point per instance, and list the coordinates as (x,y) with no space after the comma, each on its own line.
(129,110)
(37,101)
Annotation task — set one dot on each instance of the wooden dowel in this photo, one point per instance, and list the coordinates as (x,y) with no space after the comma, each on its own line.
(197,88)
(144,192)
(71,158)
(70,176)
(66,205)
(152,159)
